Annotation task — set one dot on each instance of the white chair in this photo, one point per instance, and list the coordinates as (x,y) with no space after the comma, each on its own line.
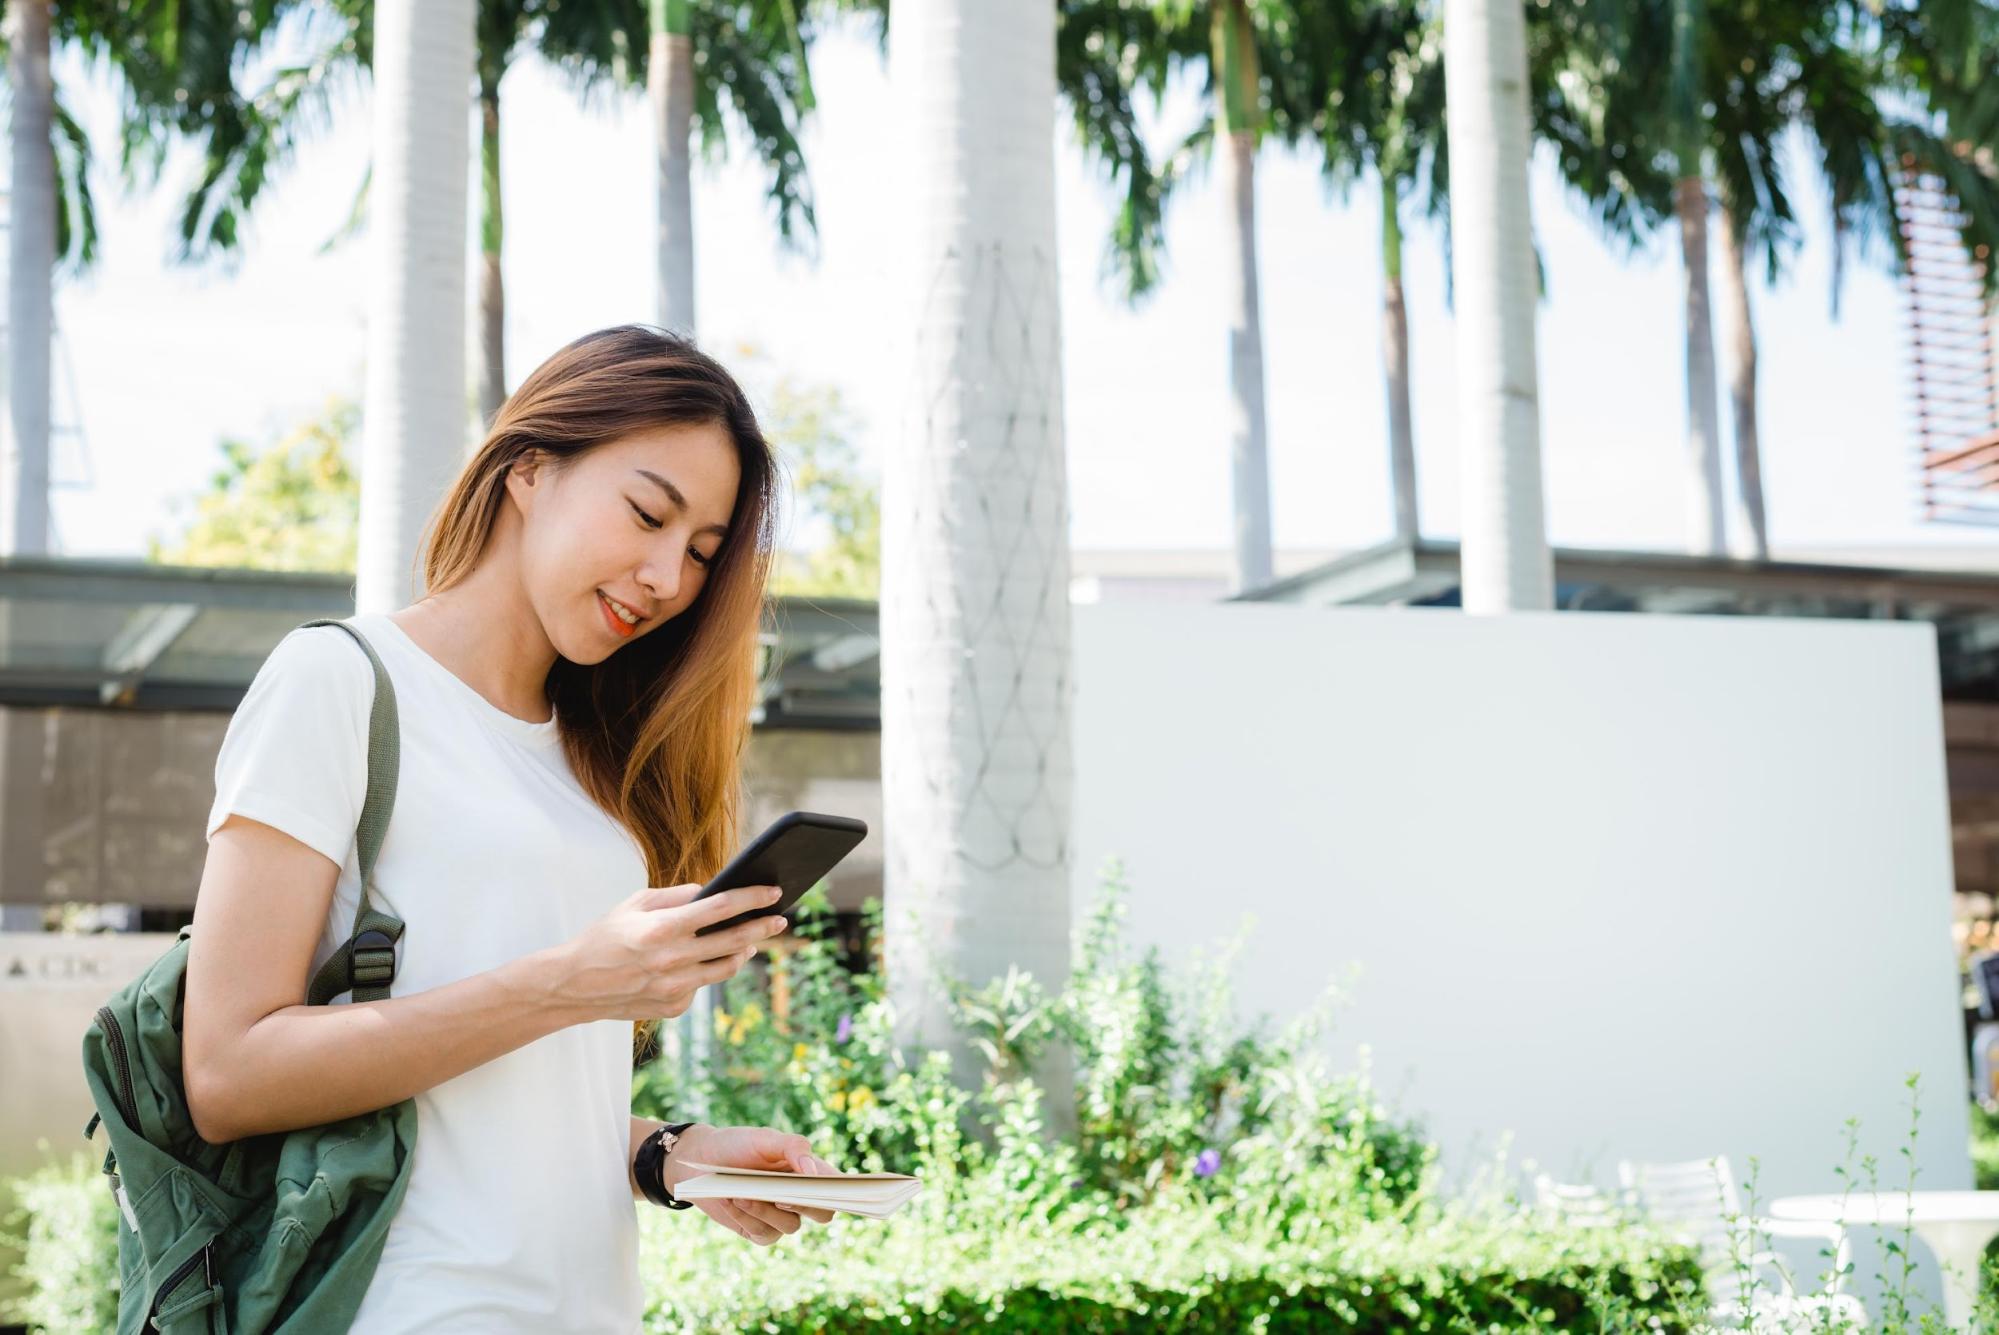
(1700,1201)
(1574,1203)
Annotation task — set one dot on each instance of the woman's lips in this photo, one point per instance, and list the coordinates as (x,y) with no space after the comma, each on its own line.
(619,627)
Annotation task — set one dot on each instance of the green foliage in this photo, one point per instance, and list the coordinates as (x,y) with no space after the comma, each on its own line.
(1218,1179)
(982,1263)
(812,430)
(1985,1147)
(294,505)
(66,1225)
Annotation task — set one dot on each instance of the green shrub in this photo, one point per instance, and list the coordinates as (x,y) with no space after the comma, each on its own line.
(66,1225)
(1168,1088)
(1178,1263)
(1218,1177)
(1984,1147)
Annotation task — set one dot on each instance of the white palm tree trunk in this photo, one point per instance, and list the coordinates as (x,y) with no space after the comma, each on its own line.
(1506,563)
(975,568)
(1395,365)
(1249,449)
(1705,536)
(670,82)
(1239,122)
(1740,329)
(31,257)
(413,438)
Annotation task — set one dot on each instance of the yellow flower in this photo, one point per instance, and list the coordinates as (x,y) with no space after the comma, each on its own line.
(860,1098)
(837,1101)
(798,1051)
(722,1022)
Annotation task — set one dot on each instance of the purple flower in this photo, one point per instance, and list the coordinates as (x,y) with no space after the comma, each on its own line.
(846,1029)
(1208,1164)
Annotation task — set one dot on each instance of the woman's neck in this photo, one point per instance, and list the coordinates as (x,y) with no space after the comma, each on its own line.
(490,640)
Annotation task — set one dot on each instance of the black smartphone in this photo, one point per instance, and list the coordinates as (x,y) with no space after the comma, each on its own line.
(797,850)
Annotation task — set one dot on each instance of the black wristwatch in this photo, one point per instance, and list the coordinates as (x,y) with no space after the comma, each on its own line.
(649,1167)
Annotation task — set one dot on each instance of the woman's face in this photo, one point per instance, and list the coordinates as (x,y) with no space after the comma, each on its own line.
(635,521)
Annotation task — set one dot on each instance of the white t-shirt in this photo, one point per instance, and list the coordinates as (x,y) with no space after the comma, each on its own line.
(519,1215)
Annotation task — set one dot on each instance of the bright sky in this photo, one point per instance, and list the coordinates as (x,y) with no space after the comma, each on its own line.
(157,363)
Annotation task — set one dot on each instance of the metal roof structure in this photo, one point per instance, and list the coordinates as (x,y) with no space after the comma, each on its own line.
(1963,606)
(127,634)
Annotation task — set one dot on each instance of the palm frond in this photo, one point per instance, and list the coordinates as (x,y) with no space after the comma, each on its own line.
(750,68)
(76,208)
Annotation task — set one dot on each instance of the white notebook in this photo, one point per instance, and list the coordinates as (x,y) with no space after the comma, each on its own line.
(870,1195)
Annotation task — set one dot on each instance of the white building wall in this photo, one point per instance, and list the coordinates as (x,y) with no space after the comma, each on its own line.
(1620,886)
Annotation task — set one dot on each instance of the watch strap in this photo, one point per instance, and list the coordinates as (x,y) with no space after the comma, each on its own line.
(649,1167)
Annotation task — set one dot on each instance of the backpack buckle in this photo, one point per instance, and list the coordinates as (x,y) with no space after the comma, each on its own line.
(374,957)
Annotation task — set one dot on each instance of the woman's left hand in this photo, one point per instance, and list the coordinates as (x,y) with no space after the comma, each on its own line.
(749,1147)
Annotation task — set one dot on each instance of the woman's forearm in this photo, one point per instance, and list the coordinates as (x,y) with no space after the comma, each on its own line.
(305,1065)
(674,1172)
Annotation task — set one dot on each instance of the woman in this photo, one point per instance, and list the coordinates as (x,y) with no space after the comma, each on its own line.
(574,693)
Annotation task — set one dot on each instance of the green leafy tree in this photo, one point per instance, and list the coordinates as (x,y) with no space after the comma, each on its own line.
(812,429)
(294,505)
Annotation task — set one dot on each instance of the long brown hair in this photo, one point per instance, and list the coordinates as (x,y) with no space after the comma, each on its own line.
(655,732)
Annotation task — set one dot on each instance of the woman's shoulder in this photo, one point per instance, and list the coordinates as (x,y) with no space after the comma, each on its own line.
(321,658)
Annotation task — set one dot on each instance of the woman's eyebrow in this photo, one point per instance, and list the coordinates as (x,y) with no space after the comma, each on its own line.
(680,501)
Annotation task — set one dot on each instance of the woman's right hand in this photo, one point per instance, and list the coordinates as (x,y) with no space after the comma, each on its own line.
(643,961)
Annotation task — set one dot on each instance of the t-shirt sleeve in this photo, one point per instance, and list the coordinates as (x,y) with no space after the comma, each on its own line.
(295,755)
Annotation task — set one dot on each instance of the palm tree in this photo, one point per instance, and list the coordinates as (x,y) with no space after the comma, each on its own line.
(974,599)
(31,257)
(413,424)
(752,63)
(1756,72)
(499,28)
(1506,564)
(176,68)
(588,42)
(1885,96)
(52,225)
(1372,100)
(670,90)
(713,68)
(1368,93)
(1706,526)
(1108,49)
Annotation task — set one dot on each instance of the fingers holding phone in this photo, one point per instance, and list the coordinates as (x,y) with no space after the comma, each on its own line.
(642,961)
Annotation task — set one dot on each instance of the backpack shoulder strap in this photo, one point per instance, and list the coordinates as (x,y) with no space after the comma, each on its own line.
(365,963)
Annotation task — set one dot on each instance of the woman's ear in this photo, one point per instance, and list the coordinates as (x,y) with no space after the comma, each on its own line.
(521,478)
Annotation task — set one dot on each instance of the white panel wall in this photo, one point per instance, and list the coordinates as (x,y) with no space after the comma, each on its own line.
(1618,885)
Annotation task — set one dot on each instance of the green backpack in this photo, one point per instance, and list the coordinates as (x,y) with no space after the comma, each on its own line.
(277,1232)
